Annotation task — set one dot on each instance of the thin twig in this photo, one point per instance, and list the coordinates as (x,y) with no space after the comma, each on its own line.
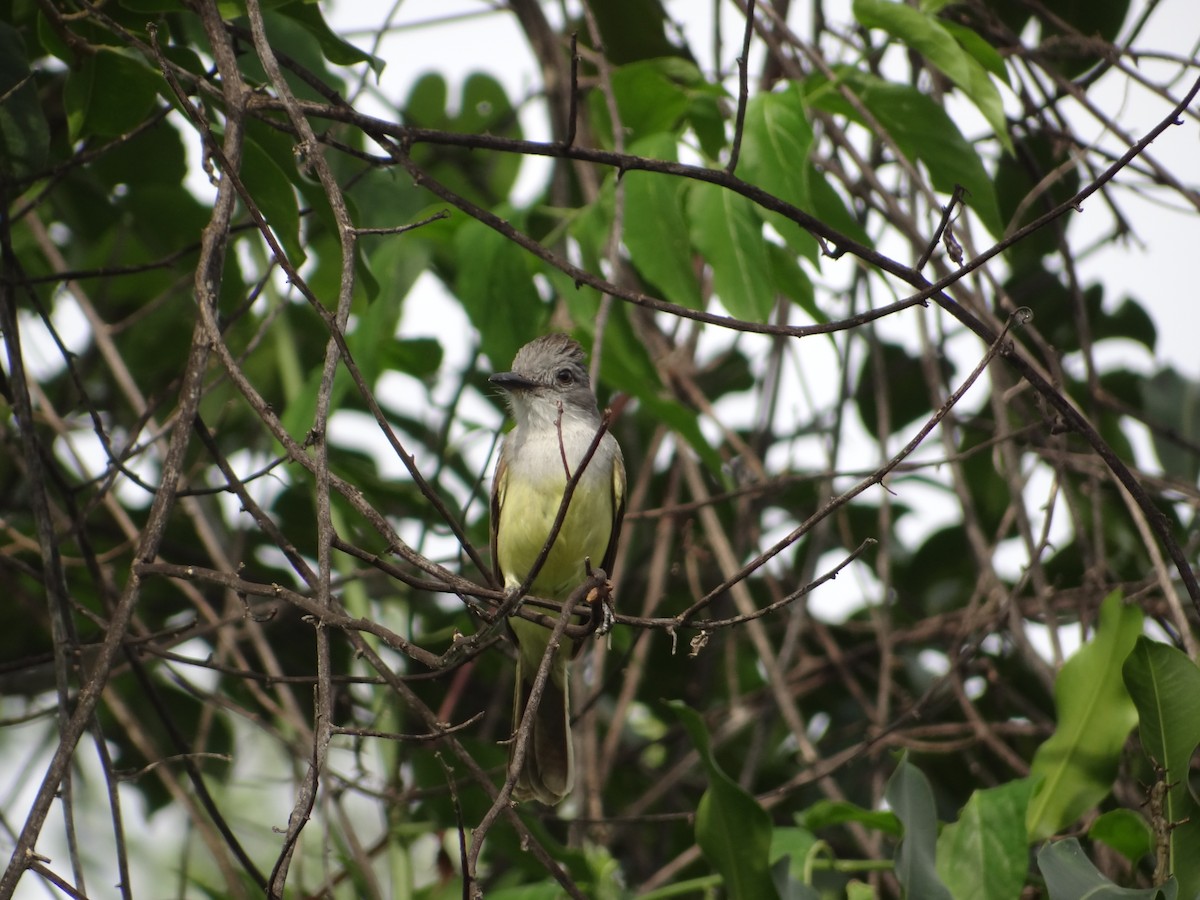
(743,63)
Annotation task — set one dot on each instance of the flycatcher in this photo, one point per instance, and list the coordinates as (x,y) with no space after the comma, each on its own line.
(556,422)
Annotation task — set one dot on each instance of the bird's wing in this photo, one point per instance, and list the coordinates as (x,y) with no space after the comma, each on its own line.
(499,483)
(618,497)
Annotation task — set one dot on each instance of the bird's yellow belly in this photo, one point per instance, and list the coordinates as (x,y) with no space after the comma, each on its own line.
(528,516)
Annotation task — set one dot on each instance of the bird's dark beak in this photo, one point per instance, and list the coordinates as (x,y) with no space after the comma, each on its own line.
(511,381)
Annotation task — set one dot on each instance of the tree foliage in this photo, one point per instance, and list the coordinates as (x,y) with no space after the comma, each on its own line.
(832,272)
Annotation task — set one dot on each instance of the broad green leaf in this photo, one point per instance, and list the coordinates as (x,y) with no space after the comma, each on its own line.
(375,348)
(1028,174)
(397,263)
(985,854)
(1125,831)
(909,795)
(775,145)
(155,156)
(1129,321)
(830,207)
(52,41)
(495,286)
(922,130)
(336,50)
(24,134)
(827,813)
(276,199)
(486,109)
(1165,686)
(984,53)
(650,99)
(109,94)
(795,844)
(1067,18)
(905,387)
(1078,763)
(925,34)
(482,108)
(592,225)
(792,282)
(426,103)
(656,231)
(733,831)
(167,216)
(634,30)
(666,93)
(726,228)
(705,114)
(1070,875)
(604,871)
(1174,400)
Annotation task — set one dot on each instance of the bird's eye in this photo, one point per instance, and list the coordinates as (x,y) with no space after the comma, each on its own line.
(565,377)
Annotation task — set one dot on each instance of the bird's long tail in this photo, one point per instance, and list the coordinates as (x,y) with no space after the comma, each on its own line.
(548,770)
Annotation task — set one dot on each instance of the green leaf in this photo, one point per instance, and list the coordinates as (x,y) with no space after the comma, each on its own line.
(857,890)
(109,94)
(1078,763)
(272,191)
(1068,18)
(909,795)
(155,156)
(496,289)
(985,854)
(1039,168)
(726,228)
(985,54)
(925,34)
(830,207)
(633,29)
(656,231)
(1165,686)
(1125,831)
(792,282)
(827,813)
(1070,875)
(24,134)
(733,831)
(483,108)
(1129,321)
(924,131)
(905,387)
(775,145)
(795,844)
(650,99)
(1174,400)
(336,50)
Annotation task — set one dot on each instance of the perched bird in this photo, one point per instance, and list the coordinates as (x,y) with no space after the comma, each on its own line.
(557,420)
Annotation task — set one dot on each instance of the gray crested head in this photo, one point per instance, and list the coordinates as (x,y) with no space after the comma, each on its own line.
(545,372)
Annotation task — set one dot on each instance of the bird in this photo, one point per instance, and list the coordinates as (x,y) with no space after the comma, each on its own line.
(556,420)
